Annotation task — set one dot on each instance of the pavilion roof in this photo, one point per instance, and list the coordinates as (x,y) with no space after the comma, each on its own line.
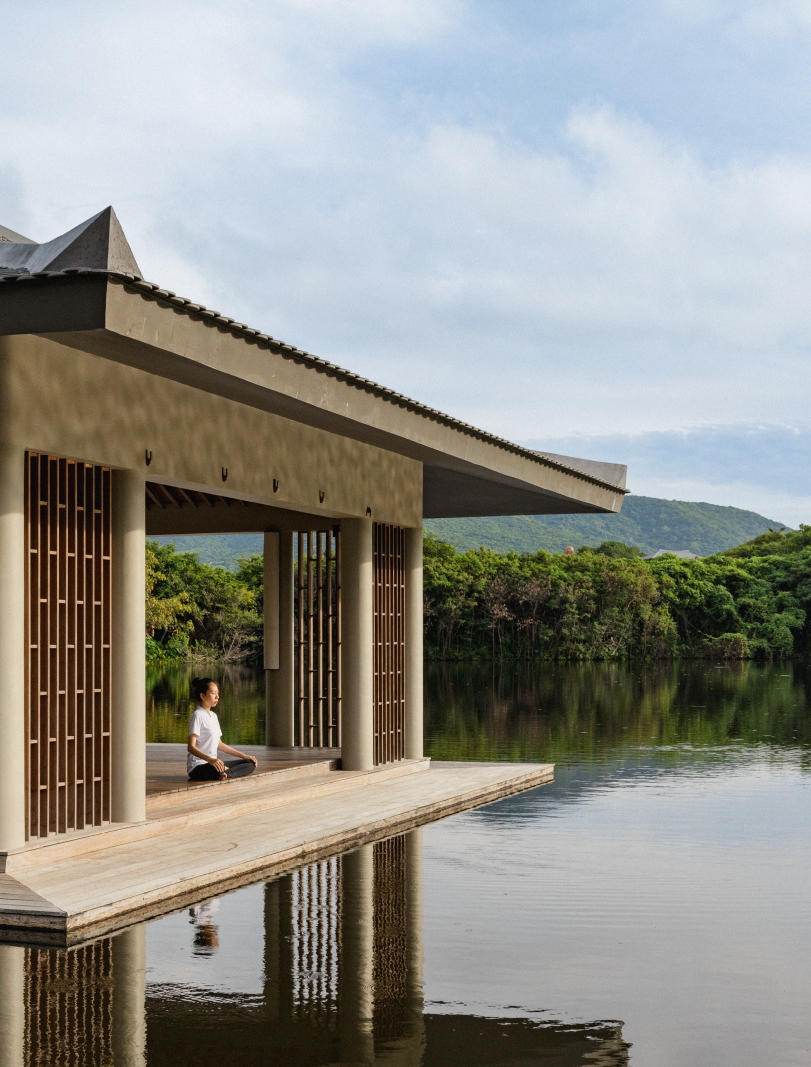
(97,253)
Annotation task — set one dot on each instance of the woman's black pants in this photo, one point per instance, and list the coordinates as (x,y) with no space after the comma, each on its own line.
(234,768)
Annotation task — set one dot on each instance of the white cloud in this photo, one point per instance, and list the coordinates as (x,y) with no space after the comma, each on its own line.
(399,22)
(777,18)
(610,276)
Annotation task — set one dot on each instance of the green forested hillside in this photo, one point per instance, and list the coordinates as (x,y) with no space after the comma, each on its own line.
(645,521)
(218,550)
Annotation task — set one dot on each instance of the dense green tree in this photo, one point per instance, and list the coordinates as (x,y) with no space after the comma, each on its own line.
(596,604)
(199,610)
(616,550)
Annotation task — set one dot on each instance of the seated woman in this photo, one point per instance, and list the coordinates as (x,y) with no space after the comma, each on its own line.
(205,740)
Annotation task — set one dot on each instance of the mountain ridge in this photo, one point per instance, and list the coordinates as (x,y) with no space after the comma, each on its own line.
(649,523)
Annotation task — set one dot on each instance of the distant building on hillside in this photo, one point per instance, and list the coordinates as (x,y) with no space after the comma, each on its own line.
(680,553)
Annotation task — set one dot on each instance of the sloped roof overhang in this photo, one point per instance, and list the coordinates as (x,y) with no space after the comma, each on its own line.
(466,471)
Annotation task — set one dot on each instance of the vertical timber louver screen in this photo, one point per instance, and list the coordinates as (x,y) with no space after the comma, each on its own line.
(68,536)
(389,642)
(317,722)
(69,1005)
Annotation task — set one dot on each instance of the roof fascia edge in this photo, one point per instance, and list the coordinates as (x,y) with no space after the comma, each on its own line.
(243,332)
(240,331)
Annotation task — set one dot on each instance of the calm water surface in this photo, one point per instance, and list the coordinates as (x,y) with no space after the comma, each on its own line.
(649,907)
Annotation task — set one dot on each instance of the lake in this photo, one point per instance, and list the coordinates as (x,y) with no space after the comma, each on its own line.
(649,907)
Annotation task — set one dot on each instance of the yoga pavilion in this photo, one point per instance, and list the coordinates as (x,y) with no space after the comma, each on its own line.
(127,411)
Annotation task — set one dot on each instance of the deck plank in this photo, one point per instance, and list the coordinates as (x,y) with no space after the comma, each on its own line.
(23,908)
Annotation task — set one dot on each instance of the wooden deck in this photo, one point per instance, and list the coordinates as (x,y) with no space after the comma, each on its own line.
(166,764)
(220,835)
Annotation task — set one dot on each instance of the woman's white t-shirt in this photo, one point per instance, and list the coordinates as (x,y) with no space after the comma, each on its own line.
(206,726)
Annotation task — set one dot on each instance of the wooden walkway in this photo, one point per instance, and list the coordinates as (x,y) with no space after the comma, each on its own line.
(227,834)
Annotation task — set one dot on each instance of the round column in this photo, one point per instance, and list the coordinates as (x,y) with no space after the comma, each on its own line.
(357,646)
(12,642)
(128,725)
(413,645)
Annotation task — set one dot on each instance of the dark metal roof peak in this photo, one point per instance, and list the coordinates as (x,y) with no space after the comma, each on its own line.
(98,243)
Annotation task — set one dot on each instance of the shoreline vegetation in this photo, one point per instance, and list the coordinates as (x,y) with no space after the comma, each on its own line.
(596,604)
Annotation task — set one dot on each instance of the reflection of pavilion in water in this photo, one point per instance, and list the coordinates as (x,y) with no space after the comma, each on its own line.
(342,983)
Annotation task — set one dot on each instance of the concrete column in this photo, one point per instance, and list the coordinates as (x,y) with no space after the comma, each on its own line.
(357,646)
(129,997)
(12,1006)
(12,642)
(128,727)
(413,645)
(279,648)
(356,978)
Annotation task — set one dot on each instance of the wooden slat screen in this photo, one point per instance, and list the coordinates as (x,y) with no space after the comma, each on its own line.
(389,642)
(68,690)
(318,639)
(69,1005)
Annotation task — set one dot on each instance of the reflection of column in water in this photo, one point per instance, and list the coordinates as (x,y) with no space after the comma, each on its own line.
(415,947)
(129,997)
(302,951)
(398,995)
(278,987)
(315,891)
(12,1005)
(343,945)
(355,996)
(271,962)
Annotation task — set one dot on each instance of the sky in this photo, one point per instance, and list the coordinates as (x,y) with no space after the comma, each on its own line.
(585,227)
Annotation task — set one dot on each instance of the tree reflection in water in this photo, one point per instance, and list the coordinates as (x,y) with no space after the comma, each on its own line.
(342,982)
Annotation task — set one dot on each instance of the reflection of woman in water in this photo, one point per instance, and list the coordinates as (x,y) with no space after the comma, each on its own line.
(206,931)
(205,740)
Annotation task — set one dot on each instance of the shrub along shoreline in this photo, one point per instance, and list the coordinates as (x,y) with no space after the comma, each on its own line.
(603,603)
